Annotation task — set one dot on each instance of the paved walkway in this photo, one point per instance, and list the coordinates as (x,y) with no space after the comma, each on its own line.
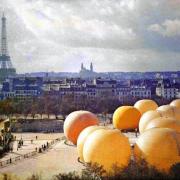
(30,144)
(60,158)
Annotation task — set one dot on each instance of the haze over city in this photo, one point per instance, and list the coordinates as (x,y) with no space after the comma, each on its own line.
(116,35)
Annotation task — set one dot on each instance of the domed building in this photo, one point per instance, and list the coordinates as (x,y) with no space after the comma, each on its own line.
(86,73)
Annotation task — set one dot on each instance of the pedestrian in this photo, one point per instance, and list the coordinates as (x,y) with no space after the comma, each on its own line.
(19,144)
(10,160)
(44,147)
(36,137)
(40,150)
(47,144)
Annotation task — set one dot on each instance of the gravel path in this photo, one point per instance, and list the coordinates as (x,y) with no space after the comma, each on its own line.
(59,158)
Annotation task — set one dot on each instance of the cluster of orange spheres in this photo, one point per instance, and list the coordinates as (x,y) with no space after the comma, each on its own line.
(158,144)
(97,144)
(128,117)
(165,115)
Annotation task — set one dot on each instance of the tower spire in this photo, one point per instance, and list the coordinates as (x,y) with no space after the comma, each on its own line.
(82,66)
(6,68)
(4,48)
(91,67)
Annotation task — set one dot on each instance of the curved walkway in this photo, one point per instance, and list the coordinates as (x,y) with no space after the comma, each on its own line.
(60,158)
(32,143)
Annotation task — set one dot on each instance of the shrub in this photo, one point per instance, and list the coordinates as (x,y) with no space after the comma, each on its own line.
(34,177)
(7,176)
(67,176)
(134,170)
(175,171)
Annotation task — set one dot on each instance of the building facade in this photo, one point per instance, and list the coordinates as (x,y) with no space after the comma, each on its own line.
(21,88)
(29,87)
(168,89)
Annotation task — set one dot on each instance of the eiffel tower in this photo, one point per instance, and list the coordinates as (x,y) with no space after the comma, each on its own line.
(6,68)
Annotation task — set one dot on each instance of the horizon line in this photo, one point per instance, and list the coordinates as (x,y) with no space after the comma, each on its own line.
(160,71)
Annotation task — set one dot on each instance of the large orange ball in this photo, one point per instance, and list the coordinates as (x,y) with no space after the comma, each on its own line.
(164,122)
(169,111)
(82,139)
(166,110)
(159,147)
(107,148)
(126,117)
(76,121)
(146,118)
(145,105)
(176,103)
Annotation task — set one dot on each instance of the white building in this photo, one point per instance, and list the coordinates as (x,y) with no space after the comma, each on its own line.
(140,91)
(167,90)
(123,92)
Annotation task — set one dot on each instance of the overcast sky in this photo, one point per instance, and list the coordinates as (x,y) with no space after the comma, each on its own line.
(116,35)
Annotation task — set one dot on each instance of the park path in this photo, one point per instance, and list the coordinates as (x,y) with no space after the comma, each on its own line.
(59,158)
(31,143)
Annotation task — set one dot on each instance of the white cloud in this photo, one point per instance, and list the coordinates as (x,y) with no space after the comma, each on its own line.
(168,28)
(57,35)
(130,4)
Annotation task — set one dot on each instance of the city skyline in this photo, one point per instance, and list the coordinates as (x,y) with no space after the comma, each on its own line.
(116,35)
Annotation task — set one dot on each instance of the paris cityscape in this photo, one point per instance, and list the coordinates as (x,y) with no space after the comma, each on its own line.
(93,120)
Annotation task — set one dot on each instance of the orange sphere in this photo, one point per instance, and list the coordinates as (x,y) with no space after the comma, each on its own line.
(126,117)
(107,147)
(146,118)
(82,138)
(159,147)
(164,122)
(76,121)
(145,105)
(176,103)
(169,111)
(166,110)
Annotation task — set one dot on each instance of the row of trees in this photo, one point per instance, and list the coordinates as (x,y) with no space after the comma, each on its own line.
(49,104)
(54,104)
